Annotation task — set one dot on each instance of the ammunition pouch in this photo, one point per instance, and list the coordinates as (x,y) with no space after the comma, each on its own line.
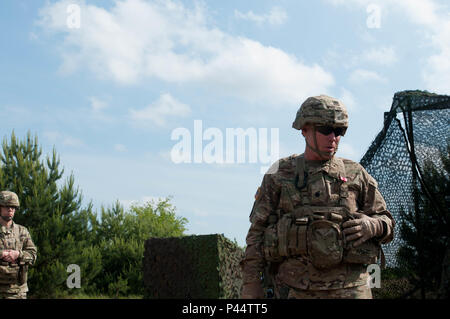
(8,273)
(271,244)
(325,244)
(366,253)
(316,232)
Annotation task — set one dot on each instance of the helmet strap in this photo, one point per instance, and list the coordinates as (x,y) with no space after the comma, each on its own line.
(316,150)
(6,218)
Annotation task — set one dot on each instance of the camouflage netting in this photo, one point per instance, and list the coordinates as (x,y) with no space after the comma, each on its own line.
(415,129)
(204,266)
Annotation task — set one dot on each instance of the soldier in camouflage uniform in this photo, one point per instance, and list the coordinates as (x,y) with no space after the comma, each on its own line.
(17,250)
(318,220)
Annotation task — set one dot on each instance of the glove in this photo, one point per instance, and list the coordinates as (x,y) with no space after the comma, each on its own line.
(363,228)
(252,290)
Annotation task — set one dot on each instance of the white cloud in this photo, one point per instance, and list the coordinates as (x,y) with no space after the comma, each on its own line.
(201,224)
(64,139)
(420,11)
(384,56)
(437,72)
(433,17)
(362,75)
(157,112)
(135,40)
(165,154)
(276,16)
(381,56)
(120,148)
(200,213)
(52,136)
(423,12)
(348,99)
(348,151)
(96,104)
(384,102)
(97,110)
(436,18)
(72,141)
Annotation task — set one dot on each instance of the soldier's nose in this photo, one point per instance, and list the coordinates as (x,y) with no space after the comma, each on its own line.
(331,136)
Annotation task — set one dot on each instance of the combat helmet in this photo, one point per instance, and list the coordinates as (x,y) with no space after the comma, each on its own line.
(321,110)
(8,198)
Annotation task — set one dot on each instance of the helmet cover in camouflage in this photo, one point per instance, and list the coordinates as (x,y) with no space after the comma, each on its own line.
(321,110)
(8,198)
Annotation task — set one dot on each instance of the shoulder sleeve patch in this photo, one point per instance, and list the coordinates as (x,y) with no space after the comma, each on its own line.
(258,193)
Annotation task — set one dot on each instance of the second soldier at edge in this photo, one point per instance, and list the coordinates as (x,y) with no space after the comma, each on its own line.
(17,250)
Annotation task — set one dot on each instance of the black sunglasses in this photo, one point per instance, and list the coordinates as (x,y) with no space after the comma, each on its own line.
(10,207)
(327,130)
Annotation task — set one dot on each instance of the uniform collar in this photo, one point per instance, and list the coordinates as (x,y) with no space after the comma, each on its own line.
(314,167)
(5,229)
(333,167)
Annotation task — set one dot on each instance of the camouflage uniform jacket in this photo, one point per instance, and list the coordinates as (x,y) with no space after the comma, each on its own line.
(17,238)
(277,194)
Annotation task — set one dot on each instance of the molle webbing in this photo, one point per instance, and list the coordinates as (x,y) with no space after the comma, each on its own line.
(301,178)
(292,227)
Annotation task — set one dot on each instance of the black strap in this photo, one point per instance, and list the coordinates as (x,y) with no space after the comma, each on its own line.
(301,176)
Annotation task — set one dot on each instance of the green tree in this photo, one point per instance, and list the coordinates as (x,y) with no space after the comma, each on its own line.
(122,236)
(59,226)
(425,232)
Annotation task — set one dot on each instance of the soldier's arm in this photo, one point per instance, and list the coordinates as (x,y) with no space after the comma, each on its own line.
(28,252)
(374,205)
(265,203)
(253,263)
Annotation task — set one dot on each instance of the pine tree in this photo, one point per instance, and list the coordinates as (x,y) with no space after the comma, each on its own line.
(60,228)
(426,231)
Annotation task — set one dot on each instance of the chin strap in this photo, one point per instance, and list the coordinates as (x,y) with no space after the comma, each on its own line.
(316,149)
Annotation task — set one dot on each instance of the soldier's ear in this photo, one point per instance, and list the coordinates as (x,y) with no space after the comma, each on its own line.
(305,129)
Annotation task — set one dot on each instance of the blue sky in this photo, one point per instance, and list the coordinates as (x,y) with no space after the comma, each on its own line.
(108,83)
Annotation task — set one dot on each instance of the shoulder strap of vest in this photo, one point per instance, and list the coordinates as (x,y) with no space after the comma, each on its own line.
(17,232)
(301,175)
(337,168)
(338,172)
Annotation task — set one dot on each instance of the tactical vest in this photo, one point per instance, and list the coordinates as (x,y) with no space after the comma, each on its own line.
(12,273)
(309,220)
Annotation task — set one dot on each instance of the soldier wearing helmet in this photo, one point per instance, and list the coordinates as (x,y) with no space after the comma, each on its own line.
(17,250)
(318,220)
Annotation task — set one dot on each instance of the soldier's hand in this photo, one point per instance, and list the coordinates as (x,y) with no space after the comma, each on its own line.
(14,254)
(11,255)
(252,290)
(362,229)
(5,253)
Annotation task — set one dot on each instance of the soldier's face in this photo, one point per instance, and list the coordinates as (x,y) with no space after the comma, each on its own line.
(325,143)
(7,212)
